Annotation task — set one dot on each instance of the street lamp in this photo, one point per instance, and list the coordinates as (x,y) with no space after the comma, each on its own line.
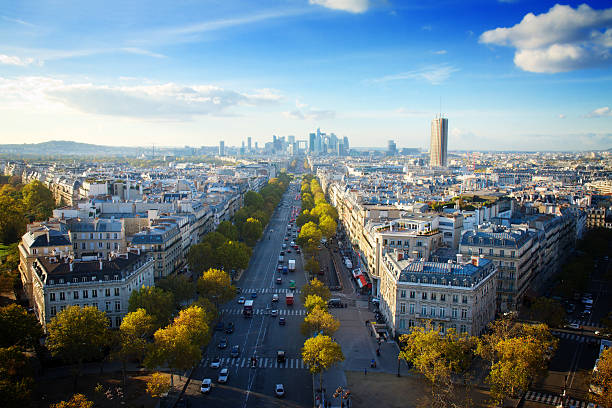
(344,395)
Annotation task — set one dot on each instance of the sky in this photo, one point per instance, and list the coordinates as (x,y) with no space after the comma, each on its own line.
(509,75)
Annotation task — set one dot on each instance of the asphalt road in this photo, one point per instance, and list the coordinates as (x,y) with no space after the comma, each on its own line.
(261,335)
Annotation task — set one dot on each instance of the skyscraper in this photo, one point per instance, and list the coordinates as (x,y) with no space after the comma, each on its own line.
(249,144)
(221,148)
(312,144)
(391,148)
(439,142)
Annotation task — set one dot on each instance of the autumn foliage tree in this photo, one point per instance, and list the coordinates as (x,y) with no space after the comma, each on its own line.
(601,382)
(316,287)
(319,320)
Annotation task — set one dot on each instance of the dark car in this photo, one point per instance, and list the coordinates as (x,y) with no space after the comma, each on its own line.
(253,295)
(282,321)
(219,326)
(235,352)
(223,343)
(279,281)
(230,328)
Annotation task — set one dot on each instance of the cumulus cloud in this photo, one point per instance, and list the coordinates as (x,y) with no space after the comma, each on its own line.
(164,101)
(303,112)
(600,112)
(352,6)
(435,74)
(563,39)
(17,61)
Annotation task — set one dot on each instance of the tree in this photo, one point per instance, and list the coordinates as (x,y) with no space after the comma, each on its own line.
(158,303)
(38,201)
(134,331)
(229,230)
(12,221)
(215,239)
(316,287)
(251,231)
(310,236)
(304,218)
(216,286)
(328,226)
(254,200)
(548,311)
(312,265)
(601,383)
(313,301)
(194,323)
(77,401)
(233,255)
(320,353)
(319,320)
(76,334)
(18,328)
(182,290)
(201,257)
(15,378)
(158,385)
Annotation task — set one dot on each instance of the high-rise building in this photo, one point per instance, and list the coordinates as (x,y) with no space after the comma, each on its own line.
(312,142)
(346,145)
(249,144)
(439,142)
(221,148)
(391,148)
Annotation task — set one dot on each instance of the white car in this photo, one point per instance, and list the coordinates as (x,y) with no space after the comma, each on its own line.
(275,297)
(215,363)
(279,390)
(241,300)
(206,385)
(223,374)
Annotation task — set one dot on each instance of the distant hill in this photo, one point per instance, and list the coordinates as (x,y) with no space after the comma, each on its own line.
(67,148)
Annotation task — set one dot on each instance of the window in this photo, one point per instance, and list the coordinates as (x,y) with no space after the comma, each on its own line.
(464,299)
(455,298)
(53,310)
(463,328)
(108,307)
(442,297)
(454,313)
(75,294)
(116,246)
(52,297)
(424,295)
(463,314)
(512,253)
(441,327)
(117,321)
(116,291)
(412,308)
(106,292)
(432,311)
(433,296)
(412,294)
(410,323)
(91,235)
(402,324)
(402,308)
(424,310)
(442,312)
(117,306)
(501,252)
(108,245)
(402,293)
(115,235)
(62,296)
(490,251)
(94,293)
(85,294)
(480,251)
(83,246)
(100,244)
(62,308)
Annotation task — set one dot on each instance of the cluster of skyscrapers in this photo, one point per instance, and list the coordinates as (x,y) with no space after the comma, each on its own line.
(322,143)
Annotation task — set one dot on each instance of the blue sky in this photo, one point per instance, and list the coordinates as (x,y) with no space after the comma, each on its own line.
(520,75)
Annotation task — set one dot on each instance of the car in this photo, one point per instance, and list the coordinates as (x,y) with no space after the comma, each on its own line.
(297,251)
(223,375)
(573,326)
(215,363)
(253,295)
(279,280)
(274,312)
(282,321)
(282,252)
(219,326)
(230,328)
(241,300)
(279,390)
(235,352)
(275,297)
(289,251)
(280,356)
(279,268)
(223,343)
(206,386)
(286,239)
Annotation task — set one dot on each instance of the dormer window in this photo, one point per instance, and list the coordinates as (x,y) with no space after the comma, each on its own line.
(75,280)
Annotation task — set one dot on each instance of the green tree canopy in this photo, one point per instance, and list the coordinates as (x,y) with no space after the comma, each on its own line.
(251,231)
(233,255)
(19,328)
(328,227)
(158,303)
(254,200)
(229,230)
(216,286)
(38,201)
(320,353)
(310,236)
(215,239)
(179,285)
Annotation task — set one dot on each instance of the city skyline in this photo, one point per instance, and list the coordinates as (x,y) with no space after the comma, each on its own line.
(197,74)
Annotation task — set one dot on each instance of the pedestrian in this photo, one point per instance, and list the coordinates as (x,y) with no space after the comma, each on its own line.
(365,371)
(366,323)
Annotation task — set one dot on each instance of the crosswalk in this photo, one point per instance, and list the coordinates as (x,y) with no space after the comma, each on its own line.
(281,312)
(247,292)
(575,337)
(551,399)
(262,362)
(587,323)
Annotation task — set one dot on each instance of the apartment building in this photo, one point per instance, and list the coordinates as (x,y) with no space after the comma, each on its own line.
(96,237)
(458,295)
(516,254)
(60,282)
(596,218)
(163,242)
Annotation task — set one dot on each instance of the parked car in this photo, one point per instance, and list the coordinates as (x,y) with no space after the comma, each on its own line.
(206,386)
(223,375)
(230,328)
(253,295)
(235,352)
(279,390)
(215,363)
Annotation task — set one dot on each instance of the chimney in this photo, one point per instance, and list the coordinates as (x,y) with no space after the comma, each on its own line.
(475,260)
(400,256)
(100,264)
(459,258)
(71,266)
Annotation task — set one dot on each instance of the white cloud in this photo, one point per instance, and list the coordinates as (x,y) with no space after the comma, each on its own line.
(563,39)
(140,51)
(18,61)
(562,116)
(440,52)
(303,111)
(162,101)
(353,6)
(600,112)
(435,74)
(426,27)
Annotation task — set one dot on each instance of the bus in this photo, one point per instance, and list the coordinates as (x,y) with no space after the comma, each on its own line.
(289,298)
(248,308)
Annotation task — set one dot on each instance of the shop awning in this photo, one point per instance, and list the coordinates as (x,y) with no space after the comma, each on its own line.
(362,281)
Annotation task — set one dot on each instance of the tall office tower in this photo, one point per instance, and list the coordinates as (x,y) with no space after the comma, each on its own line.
(346,146)
(249,144)
(439,142)
(311,142)
(290,139)
(221,148)
(391,148)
